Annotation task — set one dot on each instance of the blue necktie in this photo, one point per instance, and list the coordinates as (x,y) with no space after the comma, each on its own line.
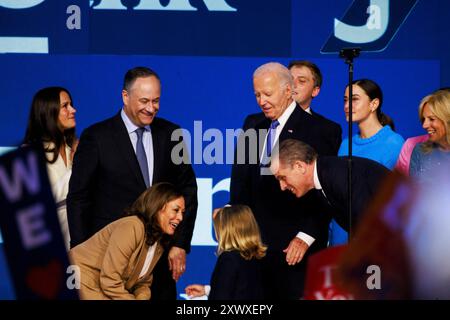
(141,156)
(271,137)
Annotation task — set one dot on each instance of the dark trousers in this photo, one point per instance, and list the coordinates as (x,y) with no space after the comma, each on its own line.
(281,281)
(163,287)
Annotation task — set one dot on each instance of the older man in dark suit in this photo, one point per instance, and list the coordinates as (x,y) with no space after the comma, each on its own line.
(289,226)
(117,159)
(299,169)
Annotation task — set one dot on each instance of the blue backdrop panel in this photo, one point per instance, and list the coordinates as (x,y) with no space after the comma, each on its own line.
(206,59)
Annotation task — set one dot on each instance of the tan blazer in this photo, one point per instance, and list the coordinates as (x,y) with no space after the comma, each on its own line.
(111,261)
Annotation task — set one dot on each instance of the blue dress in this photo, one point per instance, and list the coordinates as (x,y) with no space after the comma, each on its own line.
(423,165)
(383,147)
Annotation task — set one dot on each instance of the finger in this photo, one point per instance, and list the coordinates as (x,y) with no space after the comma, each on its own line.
(292,252)
(170,264)
(296,258)
(175,275)
(295,253)
(288,256)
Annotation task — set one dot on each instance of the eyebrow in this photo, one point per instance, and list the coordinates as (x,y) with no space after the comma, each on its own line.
(353,95)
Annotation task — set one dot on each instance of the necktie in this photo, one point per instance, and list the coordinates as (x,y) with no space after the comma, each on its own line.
(141,156)
(271,137)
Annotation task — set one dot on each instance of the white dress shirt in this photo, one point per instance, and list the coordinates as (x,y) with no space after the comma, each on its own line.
(282,120)
(148,259)
(146,140)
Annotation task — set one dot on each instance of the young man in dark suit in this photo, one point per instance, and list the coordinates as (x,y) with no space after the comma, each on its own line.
(117,159)
(299,169)
(307,83)
(289,226)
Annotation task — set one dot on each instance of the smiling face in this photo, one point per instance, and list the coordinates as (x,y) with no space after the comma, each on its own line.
(434,126)
(296,178)
(305,88)
(363,107)
(141,102)
(271,94)
(171,215)
(66,116)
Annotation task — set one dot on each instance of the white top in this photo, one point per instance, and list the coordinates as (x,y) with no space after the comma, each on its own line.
(59,173)
(59,176)
(148,259)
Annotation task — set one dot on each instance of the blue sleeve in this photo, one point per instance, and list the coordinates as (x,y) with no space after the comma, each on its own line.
(391,153)
(414,165)
(343,149)
(338,235)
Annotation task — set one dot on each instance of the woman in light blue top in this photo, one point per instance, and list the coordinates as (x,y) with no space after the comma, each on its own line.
(376,139)
(434,112)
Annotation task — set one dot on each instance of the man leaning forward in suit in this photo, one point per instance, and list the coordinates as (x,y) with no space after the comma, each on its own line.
(117,159)
(299,169)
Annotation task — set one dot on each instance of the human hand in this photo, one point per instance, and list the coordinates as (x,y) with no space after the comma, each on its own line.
(195,290)
(177,262)
(295,251)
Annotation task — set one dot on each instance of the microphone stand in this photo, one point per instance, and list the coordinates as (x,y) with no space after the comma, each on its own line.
(349,54)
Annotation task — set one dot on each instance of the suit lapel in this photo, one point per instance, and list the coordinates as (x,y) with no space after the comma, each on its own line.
(125,148)
(134,277)
(261,138)
(158,252)
(322,175)
(295,124)
(158,148)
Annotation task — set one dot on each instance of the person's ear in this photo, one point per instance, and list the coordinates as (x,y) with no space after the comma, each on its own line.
(289,91)
(374,104)
(125,97)
(316,91)
(300,166)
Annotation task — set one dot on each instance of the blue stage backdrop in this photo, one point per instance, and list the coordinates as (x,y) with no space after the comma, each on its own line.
(205,52)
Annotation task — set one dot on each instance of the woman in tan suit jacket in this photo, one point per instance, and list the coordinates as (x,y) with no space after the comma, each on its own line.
(117,262)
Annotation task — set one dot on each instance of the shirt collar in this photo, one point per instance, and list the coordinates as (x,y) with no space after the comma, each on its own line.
(317,184)
(286,114)
(308,110)
(131,127)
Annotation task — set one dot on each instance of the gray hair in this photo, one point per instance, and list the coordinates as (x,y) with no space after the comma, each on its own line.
(281,71)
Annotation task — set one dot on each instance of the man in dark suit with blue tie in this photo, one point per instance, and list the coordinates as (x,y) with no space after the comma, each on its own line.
(117,159)
(299,169)
(289,226)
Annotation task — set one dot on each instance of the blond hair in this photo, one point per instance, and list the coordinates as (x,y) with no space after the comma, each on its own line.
(237,229)
(439,104)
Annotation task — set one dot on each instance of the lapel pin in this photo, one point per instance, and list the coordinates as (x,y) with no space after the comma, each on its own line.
(290,130)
